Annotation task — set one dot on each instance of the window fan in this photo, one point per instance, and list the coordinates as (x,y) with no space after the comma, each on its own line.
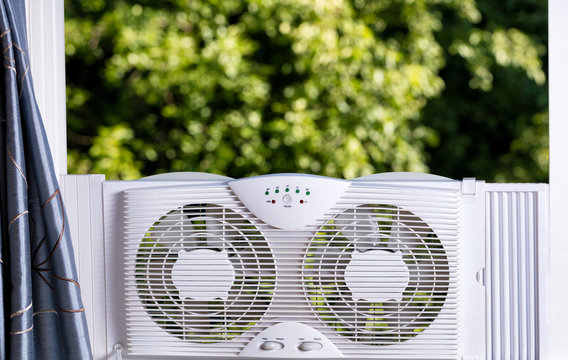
(389,266)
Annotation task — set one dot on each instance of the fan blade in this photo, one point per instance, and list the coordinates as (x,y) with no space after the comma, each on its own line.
(245,264)
(402,317)
(173,230)
(425,276)
(359,227)
(198,231)
(328,262)
(399,238)
(214,233)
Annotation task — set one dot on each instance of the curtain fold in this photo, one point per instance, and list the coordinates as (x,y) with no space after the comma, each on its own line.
(42,312)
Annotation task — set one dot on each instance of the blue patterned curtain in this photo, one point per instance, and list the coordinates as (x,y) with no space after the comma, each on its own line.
(42,313)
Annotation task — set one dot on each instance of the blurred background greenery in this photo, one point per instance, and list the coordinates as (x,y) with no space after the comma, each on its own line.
(334,87)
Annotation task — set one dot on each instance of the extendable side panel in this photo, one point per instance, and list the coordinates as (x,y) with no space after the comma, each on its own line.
(472,271)
(517,253)
(82,195)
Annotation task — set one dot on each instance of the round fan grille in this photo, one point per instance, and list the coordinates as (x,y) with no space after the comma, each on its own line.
(190,230)
(388,233)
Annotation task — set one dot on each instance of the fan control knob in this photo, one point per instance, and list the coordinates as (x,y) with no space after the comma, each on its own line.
(309,346)
(271,345)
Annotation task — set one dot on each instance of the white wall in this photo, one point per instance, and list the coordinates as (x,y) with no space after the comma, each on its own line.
(558,80)
(46,40)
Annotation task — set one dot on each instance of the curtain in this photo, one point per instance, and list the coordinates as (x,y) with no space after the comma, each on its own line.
(42,314)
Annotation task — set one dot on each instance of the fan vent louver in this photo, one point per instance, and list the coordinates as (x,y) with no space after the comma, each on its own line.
(512,238)
(201,271)
(412,279)
(382,272)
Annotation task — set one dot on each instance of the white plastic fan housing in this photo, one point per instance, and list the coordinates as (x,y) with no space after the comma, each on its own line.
(382,267)
(288,201)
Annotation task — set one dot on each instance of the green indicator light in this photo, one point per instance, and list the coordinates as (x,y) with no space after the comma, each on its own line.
(266,193)
(297,191)
(307,193)
(287,189)
(277,191)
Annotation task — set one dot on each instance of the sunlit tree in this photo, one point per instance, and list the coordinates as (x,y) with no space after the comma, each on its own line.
(333,87)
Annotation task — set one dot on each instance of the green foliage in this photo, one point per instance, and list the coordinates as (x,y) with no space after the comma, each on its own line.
(107,154)
(331,87)
(492,117)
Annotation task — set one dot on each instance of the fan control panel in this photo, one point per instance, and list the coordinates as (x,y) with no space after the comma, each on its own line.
(291,340)
(287,196)
(289,201)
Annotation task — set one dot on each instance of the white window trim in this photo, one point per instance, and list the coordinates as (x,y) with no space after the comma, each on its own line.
(46,41)
(558,97)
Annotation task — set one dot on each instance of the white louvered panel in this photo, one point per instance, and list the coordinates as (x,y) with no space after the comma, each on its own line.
(81,194)
(287,274)
(513,282)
